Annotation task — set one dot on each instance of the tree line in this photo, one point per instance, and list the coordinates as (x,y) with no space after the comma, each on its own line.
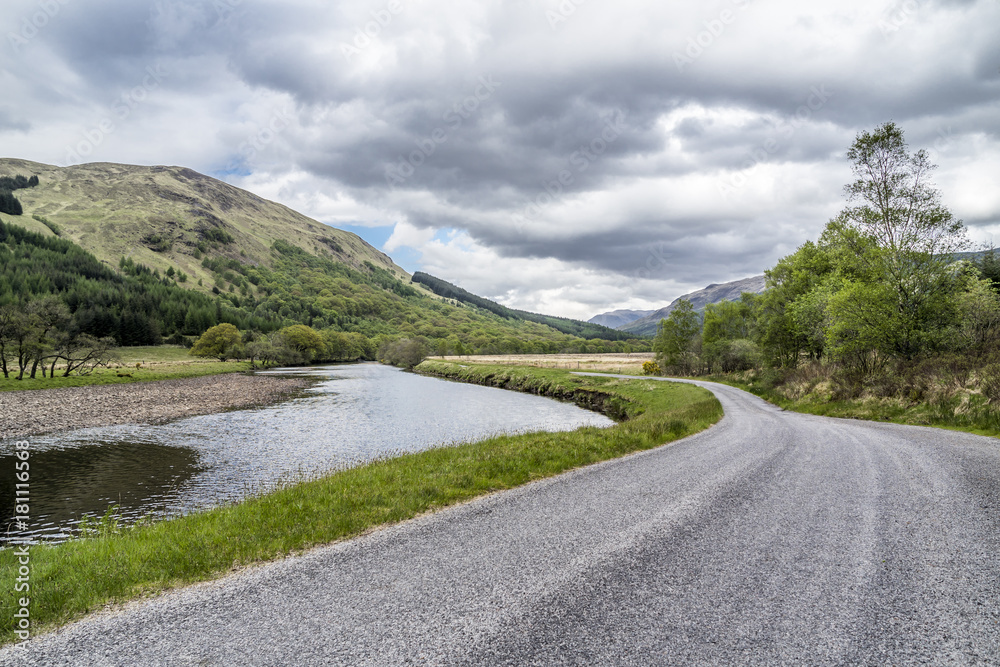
(301,344)
(136,305)
(39,335)
(884,288)
(10,204)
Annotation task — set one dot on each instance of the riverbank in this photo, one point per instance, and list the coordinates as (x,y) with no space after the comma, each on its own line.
(80,576)
(24,413)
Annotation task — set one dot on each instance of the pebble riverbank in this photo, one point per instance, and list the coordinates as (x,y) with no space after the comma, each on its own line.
(24,413)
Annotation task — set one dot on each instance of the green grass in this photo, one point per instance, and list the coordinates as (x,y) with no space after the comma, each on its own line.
(80,576)
(162,362)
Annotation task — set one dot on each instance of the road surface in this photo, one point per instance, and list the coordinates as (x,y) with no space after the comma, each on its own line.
(771,538)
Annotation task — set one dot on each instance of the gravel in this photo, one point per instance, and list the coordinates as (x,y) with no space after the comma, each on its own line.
(46,410)
(772,538)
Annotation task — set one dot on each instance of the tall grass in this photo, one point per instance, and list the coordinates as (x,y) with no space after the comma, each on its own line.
(946,391)
(80,576)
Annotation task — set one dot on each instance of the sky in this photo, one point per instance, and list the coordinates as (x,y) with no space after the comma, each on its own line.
(562,156)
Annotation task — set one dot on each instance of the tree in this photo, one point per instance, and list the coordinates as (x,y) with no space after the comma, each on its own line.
(726,331)
(50,317)
(406,353)
(895,246)
(979,310)
(222,341)
(83,353)
(676,338)
(305,340)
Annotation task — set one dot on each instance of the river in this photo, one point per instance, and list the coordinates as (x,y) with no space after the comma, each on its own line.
(352,414)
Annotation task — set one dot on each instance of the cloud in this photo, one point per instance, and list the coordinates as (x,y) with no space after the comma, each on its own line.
(590,155)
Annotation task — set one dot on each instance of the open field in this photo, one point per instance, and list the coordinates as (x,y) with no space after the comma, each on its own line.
(162,362)
(81,576)
(629,364)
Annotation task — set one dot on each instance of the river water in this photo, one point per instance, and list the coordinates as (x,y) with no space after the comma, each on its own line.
(353,413)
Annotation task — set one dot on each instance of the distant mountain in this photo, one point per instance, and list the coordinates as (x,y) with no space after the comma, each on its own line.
(646,326)
(618,318)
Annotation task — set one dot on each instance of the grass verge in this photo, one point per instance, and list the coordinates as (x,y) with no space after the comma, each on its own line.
(80,576)
(957,411)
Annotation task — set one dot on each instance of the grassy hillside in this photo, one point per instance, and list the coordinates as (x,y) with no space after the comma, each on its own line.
(158,216)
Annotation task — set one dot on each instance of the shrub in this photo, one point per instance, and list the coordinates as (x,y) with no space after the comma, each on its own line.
(222,341)
(651,368)
(989,382)
(405,353)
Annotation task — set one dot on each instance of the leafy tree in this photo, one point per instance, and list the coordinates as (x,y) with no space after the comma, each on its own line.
(727,328)
(405,353)
(895,247)
(676,339)
(979,317)
(304,340)
(222,341)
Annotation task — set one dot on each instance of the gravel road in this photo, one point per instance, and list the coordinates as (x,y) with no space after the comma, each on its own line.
(772,538)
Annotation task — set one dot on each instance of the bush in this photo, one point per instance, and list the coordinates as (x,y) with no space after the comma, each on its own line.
(405,353)
(989,382)
(222,341)
(157,242)
(651,368)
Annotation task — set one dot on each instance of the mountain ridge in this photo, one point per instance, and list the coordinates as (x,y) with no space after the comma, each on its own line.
(618,318)
(713,293)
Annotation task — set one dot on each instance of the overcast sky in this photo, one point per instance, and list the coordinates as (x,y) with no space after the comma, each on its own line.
(567,157)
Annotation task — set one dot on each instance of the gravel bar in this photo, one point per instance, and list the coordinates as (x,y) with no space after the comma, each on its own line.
(35,412)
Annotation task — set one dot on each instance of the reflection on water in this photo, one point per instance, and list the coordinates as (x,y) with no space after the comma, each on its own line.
(139,477)
(353,414)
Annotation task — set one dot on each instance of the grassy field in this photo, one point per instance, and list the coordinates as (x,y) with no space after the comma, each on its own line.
(627,364)
(81,576)
(162,362)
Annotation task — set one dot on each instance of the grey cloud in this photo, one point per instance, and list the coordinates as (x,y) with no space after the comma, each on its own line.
(754,92)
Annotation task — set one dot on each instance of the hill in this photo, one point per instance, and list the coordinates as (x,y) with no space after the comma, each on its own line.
(564,324)
(145,253)
(171,216)
(731,291)
(618,318)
